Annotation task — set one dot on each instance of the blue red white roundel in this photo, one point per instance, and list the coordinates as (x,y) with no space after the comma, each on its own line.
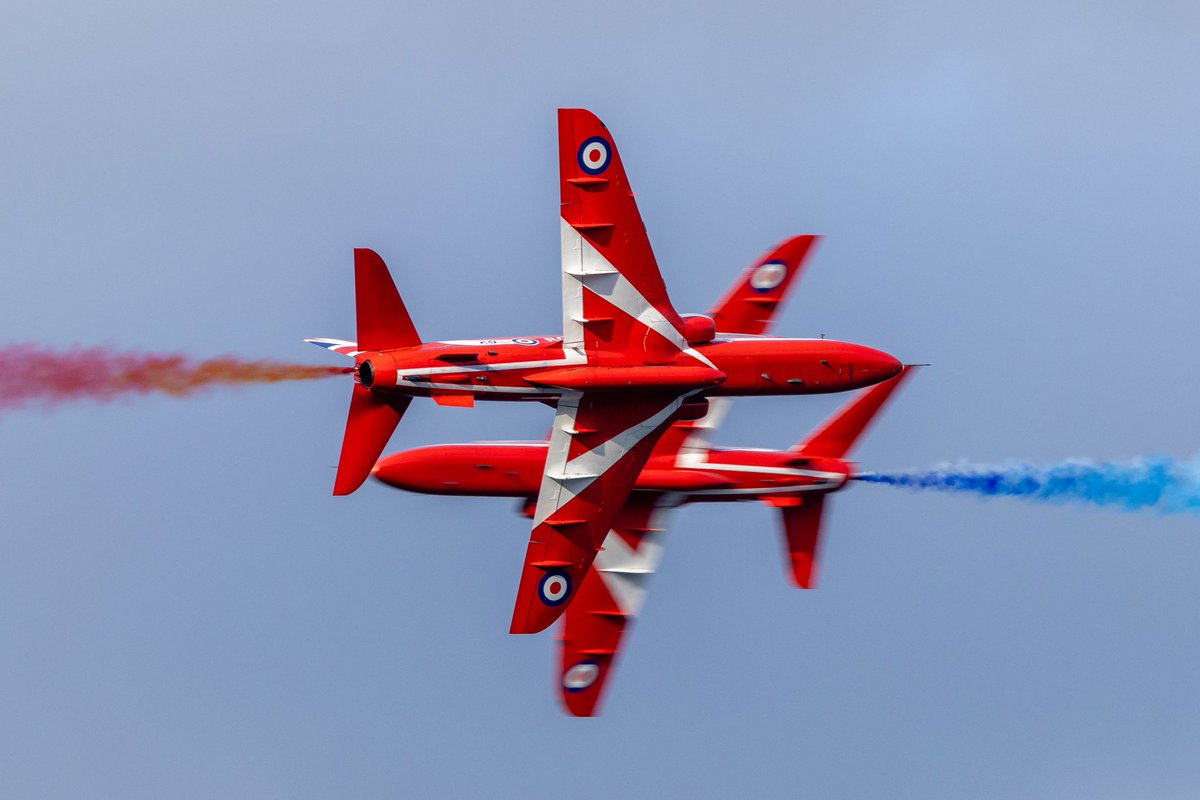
(768,276)
(555,588)
(581,676)
(594,155)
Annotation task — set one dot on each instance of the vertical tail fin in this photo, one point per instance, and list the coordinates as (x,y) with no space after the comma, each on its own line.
(383,324)
(750,304)
(801,537)
(383,321)
(835,438)
(802,515)
(369,425)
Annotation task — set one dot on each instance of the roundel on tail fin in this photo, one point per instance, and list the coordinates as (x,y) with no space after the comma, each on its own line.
(594,155)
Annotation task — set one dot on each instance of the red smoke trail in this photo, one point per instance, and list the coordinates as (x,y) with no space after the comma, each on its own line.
(31,374)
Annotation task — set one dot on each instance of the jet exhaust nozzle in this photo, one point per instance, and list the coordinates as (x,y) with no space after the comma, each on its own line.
(378,371)
(366,373)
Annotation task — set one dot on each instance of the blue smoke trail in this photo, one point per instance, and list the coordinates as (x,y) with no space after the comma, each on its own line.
(1158,483)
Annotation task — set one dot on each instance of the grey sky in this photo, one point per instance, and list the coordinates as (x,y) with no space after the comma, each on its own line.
(1006,190)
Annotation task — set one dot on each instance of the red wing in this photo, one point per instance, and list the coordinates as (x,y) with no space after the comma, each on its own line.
(605,248)
(839,433)
(609,600)
(692,437)
(750,304)
(598,445)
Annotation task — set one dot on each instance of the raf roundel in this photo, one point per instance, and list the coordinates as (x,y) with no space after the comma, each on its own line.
(768,276)
(594,155)
(581,676)
(555,588)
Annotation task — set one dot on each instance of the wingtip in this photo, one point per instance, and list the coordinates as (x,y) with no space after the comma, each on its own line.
(526,625)
(804,572)
(531,614)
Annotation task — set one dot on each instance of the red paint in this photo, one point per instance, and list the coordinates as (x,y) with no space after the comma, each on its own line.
(794,481)
(629,363)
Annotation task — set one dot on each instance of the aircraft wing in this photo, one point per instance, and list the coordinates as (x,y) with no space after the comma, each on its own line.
(750,304)
(609,600)
(611,595)
(598,446)
(614,298)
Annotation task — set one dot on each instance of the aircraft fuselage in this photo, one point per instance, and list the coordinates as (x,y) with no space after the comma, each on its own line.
(538,368)
(514,469)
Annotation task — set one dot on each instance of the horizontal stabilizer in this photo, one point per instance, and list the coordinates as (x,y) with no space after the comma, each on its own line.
(336,346)
(835,438)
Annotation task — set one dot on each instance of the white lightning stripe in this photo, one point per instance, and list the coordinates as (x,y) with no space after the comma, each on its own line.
(625,570)
(557,451)
(572,287)
(585,267)
(698,444)
(575,475)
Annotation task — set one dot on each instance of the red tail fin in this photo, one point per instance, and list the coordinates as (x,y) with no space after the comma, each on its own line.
(835,438)
(750,304)
(369,425)
(801,536)
(383,321)
(383,324)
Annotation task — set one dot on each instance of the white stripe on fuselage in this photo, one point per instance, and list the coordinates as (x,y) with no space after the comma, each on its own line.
(752,493)
(709,466)
(571,359)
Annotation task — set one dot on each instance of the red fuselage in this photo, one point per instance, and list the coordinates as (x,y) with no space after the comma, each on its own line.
(514,469)
(539,368)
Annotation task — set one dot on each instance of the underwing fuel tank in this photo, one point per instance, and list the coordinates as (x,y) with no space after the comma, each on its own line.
(500,469)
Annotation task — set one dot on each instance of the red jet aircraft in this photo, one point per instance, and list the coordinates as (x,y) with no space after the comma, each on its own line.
(684,468)
(626,367)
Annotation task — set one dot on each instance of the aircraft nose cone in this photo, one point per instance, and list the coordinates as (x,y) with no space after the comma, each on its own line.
(871,365)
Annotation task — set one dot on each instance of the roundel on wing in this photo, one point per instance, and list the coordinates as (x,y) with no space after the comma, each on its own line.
(580,676)
(554,588)
(595,155)
(768,276)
